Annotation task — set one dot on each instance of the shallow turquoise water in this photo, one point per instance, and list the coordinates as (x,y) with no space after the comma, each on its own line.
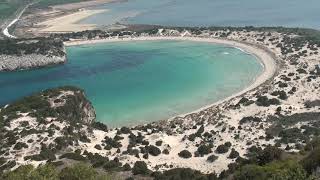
(135,82)
(291,13)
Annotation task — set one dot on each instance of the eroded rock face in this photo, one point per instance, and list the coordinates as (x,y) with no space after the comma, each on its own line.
(71,104)
(89,114)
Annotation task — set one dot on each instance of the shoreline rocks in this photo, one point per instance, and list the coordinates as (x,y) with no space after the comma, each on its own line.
(31,61)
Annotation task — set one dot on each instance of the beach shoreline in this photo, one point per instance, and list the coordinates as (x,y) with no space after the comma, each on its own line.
(265,56)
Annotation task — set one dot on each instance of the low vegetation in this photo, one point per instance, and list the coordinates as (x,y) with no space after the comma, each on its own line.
(44,46)
(49,172)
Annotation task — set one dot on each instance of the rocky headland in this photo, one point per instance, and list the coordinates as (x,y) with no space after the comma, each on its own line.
(21,54)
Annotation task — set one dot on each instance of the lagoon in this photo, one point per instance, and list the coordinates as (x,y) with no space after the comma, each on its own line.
(288,13)
(142,81)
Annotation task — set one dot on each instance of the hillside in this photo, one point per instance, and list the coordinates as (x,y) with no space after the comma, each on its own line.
(46,130)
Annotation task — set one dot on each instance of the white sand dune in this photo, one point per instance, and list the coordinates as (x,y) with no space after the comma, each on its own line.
(68,23)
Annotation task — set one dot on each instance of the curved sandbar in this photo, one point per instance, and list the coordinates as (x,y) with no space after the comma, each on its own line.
(266,57)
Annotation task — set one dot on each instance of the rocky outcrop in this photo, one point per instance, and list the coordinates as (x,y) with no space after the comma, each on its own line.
(70,103)
(13,62)
(43,126)
(20,54)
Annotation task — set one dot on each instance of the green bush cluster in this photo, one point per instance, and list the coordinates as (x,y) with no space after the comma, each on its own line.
(265,101)
(44,46)
(48,172)
(185,154)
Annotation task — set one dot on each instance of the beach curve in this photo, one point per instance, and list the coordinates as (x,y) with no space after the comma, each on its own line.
(264,55)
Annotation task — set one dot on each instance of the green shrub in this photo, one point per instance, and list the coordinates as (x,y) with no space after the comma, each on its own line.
(286,170)
(233,154)
(28,172)
(183,174)
(153,150)
(82,172)
(73,156)
(269,154)
(264,101)
(100,126)
(223,148)
(20,145)
(312,161)
(185,154)
(212,158)
(140,167)
(204,149)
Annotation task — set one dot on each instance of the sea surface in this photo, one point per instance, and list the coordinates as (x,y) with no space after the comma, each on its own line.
(143,81)
(290,13)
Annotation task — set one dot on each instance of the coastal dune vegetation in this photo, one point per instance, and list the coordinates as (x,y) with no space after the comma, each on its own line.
(265,163)
(271,132)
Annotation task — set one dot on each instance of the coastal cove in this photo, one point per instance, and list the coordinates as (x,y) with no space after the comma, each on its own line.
(116,84)
(172,89)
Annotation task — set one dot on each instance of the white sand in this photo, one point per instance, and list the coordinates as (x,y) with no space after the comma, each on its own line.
(68,23)
(266,57)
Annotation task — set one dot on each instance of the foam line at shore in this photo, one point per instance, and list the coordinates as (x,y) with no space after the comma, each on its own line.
(263,55)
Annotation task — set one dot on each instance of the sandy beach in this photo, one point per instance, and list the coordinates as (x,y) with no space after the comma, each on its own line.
(68,23)
(266,57)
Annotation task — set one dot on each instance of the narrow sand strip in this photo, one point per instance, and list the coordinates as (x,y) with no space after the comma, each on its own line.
(266,57)
(68,23)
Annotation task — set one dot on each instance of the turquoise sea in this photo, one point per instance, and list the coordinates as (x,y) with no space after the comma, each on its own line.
(135,82)
(290,13)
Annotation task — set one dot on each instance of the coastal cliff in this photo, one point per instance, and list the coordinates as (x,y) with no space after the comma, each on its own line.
(20,54)
(38,127)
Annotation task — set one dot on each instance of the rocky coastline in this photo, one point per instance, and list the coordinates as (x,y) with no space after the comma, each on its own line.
(13,62)
(22,54)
